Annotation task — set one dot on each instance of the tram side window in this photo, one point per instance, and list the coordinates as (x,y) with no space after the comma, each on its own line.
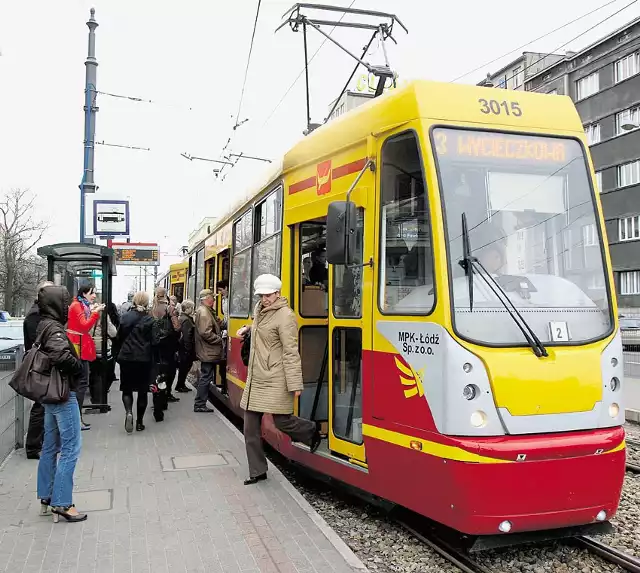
(240,295)
(266,250)
(347,388)
(315,275)
(406,261)
(347,280)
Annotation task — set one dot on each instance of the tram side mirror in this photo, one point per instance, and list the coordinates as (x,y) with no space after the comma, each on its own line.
(342,218)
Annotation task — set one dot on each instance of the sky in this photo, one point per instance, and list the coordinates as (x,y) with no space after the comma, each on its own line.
(189,58)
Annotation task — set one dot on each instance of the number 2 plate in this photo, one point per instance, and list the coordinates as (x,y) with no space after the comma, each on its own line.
(559,331)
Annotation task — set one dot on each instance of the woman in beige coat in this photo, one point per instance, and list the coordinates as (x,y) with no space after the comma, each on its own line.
(274,376)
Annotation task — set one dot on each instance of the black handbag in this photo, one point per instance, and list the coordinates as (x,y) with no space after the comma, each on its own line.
(245,349)
(37,379)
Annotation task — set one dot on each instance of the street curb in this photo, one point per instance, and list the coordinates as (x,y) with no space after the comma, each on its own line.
(341,547)
(632,415)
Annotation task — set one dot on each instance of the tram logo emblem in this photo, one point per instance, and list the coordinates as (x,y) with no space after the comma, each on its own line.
(324,178)
(410,379)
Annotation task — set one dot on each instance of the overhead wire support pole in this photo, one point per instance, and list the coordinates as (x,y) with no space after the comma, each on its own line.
(306,73)
(87,184)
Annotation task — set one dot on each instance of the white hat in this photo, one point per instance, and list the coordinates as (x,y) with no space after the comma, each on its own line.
(267,284)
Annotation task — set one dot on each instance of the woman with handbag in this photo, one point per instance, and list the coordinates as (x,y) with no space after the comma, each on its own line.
(61,420)
(83,314)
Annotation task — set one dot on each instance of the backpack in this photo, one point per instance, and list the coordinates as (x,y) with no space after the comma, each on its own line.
(161,330)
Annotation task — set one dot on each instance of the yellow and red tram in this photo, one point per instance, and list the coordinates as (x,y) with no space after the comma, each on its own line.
(444,251)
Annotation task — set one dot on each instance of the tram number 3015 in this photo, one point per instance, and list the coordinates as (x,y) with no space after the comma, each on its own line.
(499,107)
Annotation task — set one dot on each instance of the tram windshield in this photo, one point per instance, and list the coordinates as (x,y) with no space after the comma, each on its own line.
(532,224)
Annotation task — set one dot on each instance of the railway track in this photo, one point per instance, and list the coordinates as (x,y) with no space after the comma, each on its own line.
(467,564)
(610,554)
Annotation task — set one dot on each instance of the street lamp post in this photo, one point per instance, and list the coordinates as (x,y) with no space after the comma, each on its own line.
(88,185)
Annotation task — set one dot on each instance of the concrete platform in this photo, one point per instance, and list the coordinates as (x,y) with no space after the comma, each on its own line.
(169,499)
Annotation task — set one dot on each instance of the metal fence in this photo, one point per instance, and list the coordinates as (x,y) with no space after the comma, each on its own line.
(14,410)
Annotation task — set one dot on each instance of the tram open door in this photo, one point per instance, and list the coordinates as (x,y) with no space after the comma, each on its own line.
(330,304)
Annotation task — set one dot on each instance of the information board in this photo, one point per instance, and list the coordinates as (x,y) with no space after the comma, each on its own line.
(136,254)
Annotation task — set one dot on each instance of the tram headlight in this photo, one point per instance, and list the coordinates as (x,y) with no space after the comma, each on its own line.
(478,419)
(614,410)
(467,367)
(602,515)
(470,391)
(505,526)
(614,384)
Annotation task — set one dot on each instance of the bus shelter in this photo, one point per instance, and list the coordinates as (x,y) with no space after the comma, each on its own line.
(69,264)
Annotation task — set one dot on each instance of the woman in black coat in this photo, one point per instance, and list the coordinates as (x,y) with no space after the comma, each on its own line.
(186,346)
(134,358)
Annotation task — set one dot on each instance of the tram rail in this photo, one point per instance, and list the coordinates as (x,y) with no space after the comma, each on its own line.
(610,554)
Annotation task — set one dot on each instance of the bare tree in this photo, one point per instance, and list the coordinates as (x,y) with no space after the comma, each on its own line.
(19,234)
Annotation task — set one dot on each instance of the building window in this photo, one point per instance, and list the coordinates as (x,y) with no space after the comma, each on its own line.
(630,282)
(629,174)
(598,181)
(628,116)
(627,67)
(592,131)
(518,78)
(589,235)
(629,228)
(587,86)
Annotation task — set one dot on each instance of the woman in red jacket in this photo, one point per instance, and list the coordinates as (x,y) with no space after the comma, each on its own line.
(83,314)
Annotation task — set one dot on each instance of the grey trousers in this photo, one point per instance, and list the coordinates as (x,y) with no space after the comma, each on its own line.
(298,429)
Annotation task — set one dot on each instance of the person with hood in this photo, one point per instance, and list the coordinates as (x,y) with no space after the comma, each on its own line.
(62,433)
(83,314)
(35,434)
(274,376)
(135,359)
(165,350)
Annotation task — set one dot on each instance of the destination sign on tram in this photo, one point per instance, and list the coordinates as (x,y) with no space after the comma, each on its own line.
(140,256)
(486,146)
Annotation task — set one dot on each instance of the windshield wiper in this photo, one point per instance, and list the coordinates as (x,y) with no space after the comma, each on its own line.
(7,338)
(472,265)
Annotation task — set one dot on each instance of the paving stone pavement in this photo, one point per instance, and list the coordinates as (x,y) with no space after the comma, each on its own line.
(146,516)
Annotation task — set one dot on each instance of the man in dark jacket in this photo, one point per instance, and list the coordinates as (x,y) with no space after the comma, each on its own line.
(36,419)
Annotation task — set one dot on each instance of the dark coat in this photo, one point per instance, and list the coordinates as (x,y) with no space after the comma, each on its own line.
(187,348)
(134,337)
(30,325)
(53,305)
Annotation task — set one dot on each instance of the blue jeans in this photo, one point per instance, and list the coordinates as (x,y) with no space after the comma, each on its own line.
(61,435)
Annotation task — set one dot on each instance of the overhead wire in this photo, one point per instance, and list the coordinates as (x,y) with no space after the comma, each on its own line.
(535,40)
(286,93)
(571,40)
(246,70)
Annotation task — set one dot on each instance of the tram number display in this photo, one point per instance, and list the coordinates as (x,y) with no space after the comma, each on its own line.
(495,107)
(137,256)
(418,343)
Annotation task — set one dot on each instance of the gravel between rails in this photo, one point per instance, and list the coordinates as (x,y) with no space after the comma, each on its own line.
(386,547)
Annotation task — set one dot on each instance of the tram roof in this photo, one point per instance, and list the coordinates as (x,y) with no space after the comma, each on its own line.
(450,103)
